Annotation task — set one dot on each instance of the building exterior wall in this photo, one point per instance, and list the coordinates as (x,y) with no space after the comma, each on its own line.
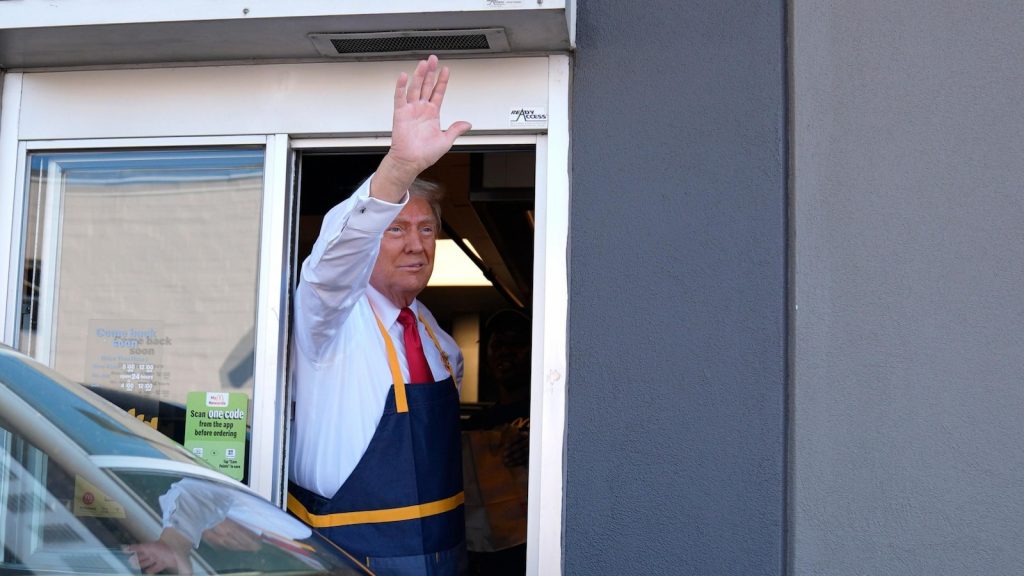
(908,395)
(905,393)
(677,266)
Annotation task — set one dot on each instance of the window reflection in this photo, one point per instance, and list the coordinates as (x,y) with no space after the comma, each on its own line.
(140,268)
(56,519)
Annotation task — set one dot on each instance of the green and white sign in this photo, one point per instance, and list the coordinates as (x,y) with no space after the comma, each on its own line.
(215,429)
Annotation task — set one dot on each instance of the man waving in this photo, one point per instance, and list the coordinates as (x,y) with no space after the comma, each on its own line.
(376,455)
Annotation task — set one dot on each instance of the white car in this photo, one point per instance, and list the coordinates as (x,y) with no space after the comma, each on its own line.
(87,489)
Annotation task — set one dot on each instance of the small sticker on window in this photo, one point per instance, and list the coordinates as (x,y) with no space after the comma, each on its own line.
(215,427)
(522,117)
(90,501)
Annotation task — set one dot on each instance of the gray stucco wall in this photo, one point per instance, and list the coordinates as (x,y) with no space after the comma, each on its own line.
(909,223)
(677,355)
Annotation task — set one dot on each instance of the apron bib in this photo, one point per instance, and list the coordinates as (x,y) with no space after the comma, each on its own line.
(404,497)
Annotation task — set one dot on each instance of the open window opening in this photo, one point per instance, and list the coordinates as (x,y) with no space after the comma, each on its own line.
(481,294)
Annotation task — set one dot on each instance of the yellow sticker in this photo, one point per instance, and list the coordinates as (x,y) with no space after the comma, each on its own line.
(90,501)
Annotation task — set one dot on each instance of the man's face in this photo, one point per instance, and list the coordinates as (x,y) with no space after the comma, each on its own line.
(406,253)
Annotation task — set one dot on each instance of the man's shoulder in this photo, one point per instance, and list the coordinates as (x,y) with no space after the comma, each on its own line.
(425,312)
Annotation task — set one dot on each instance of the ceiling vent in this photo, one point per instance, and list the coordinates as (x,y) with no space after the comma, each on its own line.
(407,42)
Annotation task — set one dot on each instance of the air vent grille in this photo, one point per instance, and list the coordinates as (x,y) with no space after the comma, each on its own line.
(411,42)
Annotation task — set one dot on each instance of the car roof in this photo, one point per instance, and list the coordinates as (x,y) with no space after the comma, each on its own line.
(97,426)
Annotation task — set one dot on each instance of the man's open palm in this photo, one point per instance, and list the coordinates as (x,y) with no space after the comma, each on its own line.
(417,140)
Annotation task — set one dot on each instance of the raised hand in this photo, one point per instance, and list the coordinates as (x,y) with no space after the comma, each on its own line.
(417,140)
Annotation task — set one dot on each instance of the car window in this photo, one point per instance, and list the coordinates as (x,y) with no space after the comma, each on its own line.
(52,520)
(232,530)
(61,513)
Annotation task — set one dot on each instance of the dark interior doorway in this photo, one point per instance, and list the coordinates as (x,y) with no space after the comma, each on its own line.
(488,212)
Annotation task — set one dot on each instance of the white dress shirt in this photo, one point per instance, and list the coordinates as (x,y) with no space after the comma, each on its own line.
(193,506)
(339,362)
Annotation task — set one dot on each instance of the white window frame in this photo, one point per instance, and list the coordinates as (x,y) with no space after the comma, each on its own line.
(269,377)
(550,306)
(10,202)
(550,331)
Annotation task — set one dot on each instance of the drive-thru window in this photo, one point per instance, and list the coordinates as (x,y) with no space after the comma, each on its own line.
(159,216)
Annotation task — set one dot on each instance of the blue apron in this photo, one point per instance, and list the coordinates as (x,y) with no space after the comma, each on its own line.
(404,498)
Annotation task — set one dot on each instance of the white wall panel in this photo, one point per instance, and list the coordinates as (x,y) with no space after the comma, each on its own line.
(297,99)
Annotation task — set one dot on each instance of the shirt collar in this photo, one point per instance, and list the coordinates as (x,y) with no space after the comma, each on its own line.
(385,309)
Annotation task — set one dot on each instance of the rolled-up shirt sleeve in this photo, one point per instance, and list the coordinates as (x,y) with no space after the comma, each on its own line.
(335,274)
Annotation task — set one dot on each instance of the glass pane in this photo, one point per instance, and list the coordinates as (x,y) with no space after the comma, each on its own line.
(140,268)
(63,515)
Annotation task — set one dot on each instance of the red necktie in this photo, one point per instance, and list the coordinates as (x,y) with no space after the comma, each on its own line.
(419,370)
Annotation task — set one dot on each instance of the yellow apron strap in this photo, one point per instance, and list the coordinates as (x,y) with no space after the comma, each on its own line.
(374,516)
(444,355)
(401,404)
